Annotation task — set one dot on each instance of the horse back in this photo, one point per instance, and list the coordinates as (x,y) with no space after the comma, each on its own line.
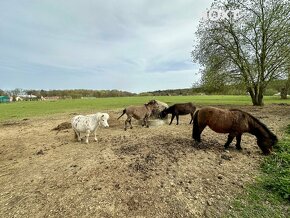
(183,108)
(138,112)
(83,123)
(223,121)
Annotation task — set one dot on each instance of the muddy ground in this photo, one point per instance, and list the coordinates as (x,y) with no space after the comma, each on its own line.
(154,172)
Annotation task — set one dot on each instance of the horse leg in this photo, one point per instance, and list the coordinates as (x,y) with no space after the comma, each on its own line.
(77,135)
(95,134)
(191,114)
(143,121)
(146,122)
(177,118)
(172,117)
(238,145)
(230,139)
(131,127)
(125,128)
(87,136)
(128,120)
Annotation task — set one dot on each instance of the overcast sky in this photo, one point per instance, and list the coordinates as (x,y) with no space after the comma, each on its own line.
(132,45)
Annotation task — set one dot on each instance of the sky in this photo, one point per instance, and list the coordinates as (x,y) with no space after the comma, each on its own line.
(129,45)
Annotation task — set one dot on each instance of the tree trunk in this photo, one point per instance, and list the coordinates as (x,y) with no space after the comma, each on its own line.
(258,100)
(257,96)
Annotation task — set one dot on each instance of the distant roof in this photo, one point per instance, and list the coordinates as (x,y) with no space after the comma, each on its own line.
(27,96)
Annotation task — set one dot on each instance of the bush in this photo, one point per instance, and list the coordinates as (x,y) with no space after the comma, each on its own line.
(270,92)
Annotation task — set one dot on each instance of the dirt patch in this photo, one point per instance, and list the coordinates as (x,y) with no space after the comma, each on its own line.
(146,172)
(23,122)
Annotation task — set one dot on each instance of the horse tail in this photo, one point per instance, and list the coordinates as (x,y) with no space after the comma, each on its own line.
(195,129)
(124,111)
(195,118)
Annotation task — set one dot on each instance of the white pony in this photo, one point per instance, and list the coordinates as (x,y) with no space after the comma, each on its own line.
(88,124)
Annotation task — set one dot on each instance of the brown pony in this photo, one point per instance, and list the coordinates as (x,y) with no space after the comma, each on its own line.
(235,122)
(139,113)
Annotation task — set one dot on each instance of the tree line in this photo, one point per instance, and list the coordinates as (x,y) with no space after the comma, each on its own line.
(219,88)
(72,93)
(199,88)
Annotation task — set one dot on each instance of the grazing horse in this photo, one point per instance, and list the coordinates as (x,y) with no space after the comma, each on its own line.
(139,113)
(179,109)
(235,122)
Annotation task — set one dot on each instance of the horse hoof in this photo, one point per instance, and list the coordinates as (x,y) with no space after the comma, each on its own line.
(197,139)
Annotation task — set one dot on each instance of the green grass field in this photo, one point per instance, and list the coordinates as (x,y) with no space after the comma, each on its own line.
(20,110)
(269,196)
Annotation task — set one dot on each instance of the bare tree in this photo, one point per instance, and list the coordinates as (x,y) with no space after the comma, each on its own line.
(252,48)
(2,92)
(15,92)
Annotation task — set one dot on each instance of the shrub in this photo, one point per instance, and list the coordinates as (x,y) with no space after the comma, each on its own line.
(270,92)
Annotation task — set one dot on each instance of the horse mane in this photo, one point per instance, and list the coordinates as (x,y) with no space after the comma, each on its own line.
(257,121)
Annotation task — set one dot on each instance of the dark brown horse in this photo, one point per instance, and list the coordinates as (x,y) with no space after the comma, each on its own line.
(235,122)
(179,109)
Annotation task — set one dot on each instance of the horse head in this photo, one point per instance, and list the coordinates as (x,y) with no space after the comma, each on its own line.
(266,143)
(163,113)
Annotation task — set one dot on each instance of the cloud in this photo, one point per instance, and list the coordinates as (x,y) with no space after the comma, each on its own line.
(90,44)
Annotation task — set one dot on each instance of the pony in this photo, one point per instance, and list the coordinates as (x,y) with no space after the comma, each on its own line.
(88,124)
(179,109)
(235,122)
(139,113)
